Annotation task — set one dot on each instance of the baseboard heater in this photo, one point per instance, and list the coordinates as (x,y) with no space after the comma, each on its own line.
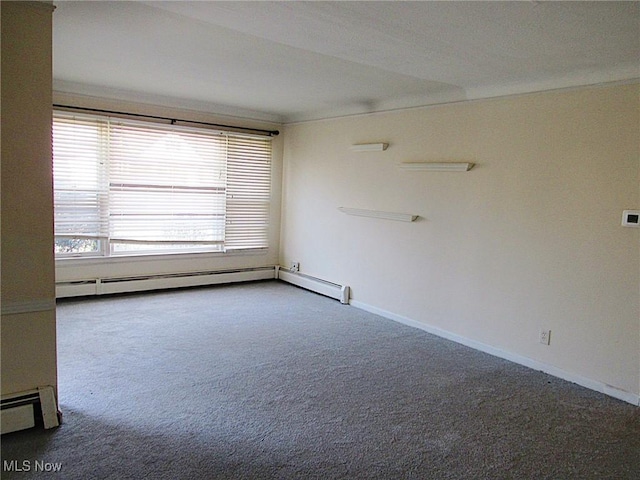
(104,286)
(323,287)
(18,410)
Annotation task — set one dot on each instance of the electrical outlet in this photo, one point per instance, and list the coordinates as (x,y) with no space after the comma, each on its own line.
(545,337)
(295,266)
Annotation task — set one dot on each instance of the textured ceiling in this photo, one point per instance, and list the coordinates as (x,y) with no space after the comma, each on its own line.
(295,61)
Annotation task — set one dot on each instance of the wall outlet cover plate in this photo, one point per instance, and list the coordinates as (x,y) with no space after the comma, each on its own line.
(631,218)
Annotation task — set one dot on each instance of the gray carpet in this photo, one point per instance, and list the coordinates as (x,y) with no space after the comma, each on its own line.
(267,381)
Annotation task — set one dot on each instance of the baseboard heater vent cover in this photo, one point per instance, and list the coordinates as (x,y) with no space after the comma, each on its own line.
(317,285)
(18,411)
(102,286)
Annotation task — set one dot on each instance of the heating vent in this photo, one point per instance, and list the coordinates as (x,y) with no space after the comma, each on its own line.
(102,286)
(317,285)
(18,411)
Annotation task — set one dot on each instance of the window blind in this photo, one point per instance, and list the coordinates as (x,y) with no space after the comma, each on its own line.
(165,185)
(79,177)
(248,192)
(143,187)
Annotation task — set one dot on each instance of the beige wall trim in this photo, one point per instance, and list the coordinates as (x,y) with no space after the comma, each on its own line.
(29,306)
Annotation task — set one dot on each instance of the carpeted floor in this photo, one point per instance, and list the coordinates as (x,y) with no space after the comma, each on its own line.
(267,381)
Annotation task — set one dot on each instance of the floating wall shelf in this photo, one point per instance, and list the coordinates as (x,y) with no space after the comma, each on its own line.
(401,217)
(437,166)
(369,147)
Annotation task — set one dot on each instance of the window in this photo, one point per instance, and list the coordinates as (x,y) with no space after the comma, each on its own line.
(127,188)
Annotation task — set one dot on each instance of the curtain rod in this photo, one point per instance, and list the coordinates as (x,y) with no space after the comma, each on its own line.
(173,121)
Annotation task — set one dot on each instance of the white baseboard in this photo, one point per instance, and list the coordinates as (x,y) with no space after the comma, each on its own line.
(600,387)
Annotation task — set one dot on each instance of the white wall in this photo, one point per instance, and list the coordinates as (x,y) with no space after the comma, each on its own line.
(530,238)
(87,269)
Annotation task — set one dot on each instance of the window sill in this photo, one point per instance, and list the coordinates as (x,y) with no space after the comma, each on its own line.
(155,257)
